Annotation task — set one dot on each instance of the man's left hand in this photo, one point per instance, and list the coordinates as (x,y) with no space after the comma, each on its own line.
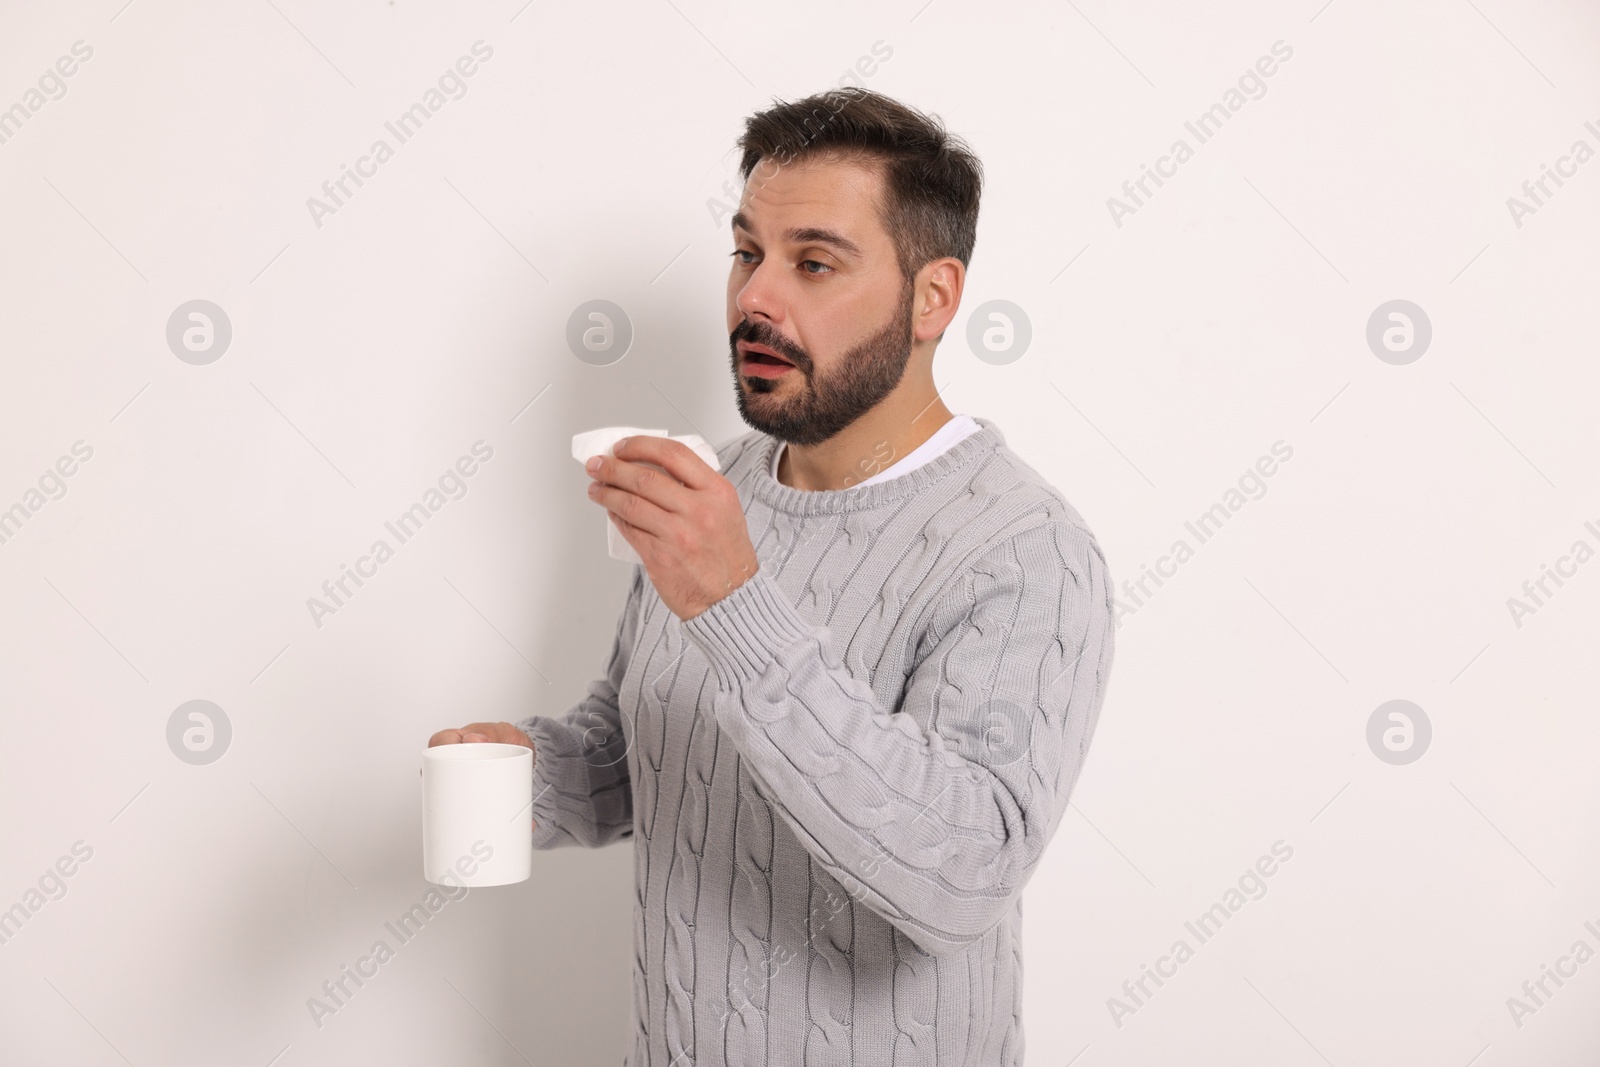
(687,525)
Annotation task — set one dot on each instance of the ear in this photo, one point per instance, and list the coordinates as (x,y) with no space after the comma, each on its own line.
(936,296)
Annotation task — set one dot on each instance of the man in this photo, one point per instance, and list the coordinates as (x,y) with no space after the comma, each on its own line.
(858,670)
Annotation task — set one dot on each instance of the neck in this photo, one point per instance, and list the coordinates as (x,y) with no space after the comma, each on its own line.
(897,426)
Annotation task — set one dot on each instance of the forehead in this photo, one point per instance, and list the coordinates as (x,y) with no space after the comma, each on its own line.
(816,193)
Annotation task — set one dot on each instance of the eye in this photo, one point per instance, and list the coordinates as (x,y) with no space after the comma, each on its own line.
(737,252)
(825,268)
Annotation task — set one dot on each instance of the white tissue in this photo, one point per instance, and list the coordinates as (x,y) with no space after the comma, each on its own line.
(599,443)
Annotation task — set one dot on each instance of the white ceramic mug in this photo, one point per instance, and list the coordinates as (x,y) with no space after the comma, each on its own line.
(477,813)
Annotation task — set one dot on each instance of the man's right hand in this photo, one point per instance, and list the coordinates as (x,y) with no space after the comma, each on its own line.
(499,732)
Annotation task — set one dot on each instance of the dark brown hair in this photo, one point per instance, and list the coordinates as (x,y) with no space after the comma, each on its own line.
(932,180)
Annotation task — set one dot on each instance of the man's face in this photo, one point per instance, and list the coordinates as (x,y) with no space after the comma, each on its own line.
(815,281)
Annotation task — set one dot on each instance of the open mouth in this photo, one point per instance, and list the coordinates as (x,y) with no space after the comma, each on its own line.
(762,354)
(761,362)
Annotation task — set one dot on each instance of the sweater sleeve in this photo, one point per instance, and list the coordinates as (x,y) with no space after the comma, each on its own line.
(933,813)
(582,794)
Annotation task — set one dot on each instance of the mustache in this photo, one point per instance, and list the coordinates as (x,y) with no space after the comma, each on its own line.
(761,333)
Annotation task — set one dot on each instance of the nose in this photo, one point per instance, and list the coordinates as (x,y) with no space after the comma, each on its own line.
(758,296)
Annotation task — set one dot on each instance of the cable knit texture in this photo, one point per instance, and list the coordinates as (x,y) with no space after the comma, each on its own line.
(838,779)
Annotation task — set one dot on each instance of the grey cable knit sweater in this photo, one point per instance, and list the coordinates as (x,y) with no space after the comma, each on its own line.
(838,779)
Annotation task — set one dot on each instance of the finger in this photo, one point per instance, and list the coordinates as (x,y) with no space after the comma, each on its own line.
(480,732)
(676,458)
(659,487)
(503,733)
(635,510)
(679,460)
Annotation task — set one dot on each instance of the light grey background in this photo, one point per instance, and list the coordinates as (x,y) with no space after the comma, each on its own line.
(584,162)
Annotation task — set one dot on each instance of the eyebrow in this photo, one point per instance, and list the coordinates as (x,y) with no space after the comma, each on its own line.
(807,235)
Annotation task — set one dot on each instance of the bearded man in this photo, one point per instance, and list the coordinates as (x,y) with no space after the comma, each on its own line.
(858,670)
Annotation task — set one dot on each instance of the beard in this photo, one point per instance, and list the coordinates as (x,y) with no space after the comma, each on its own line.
(825,404)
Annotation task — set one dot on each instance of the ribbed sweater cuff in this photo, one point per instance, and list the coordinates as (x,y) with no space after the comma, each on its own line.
(546,812)
(742,633)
